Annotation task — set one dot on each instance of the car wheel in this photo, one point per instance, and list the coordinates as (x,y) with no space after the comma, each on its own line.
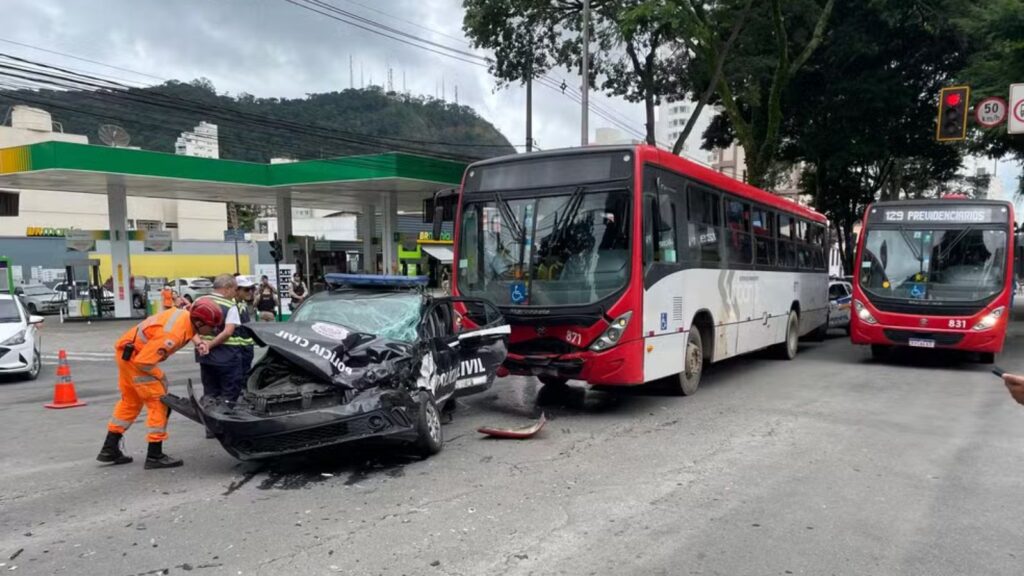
(880,352)
(788,349)
(693,365)
(187,298)
(37,365)
(137,302)
(428,426)
(32,309)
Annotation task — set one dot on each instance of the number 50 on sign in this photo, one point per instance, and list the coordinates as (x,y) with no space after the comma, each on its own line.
(990,112)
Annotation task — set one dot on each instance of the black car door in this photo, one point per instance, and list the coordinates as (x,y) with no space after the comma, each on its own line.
(441,365)
(482,335)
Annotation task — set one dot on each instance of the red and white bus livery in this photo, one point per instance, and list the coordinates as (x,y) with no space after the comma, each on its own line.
(624,265)
(934,274)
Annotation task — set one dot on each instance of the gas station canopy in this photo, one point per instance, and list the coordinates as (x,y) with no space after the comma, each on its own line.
(346,183)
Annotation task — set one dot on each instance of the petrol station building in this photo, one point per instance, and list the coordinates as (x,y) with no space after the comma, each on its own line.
(376,187)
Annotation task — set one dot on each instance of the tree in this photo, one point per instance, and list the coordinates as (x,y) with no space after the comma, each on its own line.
(861,114)
(629,54)
(759,70)
(995,31)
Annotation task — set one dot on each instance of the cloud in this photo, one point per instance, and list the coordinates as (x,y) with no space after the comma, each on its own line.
(274,48)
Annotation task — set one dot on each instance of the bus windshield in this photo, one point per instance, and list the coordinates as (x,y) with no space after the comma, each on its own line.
(952,265)
(566,249)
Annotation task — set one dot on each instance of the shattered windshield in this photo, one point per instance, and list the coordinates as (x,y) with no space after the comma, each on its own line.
(959,264)
(554,250)
(393,316)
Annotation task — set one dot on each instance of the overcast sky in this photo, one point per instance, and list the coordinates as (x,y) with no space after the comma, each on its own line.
(274,48)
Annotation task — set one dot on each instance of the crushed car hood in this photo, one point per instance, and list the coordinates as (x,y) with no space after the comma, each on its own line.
(335,354)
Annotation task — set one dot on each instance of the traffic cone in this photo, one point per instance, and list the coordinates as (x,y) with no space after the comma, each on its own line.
(64,395)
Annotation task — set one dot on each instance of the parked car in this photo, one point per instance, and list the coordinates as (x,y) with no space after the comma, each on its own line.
(20,343)
(840,295)
(38,299)
(357,362)
(82,292)
(139,285)
(192,288)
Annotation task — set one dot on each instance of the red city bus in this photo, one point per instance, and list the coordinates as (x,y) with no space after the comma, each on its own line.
(934,274)
(623,265)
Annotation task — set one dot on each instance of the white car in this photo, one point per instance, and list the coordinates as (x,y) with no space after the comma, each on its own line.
(840,295)
(19,339)
(192,288)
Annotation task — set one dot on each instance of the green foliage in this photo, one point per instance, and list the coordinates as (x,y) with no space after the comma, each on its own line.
(156,116)
(995,29)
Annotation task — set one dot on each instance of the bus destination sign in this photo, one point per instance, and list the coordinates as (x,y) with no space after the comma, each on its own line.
(938,215)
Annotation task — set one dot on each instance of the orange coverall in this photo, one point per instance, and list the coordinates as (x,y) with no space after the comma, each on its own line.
(168,297)
(140,380)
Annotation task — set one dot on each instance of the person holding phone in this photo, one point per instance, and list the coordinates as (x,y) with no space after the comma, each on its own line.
(1015,384)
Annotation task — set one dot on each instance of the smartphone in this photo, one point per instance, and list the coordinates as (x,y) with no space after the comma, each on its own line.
(998,371)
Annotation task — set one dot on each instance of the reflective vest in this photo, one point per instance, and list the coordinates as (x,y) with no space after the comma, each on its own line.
(242,335)
(228,352)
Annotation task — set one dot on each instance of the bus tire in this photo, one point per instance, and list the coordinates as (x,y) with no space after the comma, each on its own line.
(789,347)
(693,365)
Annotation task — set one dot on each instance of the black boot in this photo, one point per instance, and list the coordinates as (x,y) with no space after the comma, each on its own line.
(156,458)
(111,452)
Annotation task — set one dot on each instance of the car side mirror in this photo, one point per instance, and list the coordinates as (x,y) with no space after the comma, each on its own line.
(36,319)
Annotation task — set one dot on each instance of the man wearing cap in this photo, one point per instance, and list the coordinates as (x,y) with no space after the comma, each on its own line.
(246,314)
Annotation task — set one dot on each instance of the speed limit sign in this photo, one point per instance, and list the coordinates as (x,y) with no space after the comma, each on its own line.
(990,112)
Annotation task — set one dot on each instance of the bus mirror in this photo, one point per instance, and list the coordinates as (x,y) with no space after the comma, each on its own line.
(438,218)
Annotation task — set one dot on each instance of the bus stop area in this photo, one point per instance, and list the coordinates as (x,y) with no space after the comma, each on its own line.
(384,186)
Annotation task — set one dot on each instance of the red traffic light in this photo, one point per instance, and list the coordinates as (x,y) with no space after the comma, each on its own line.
(953,99)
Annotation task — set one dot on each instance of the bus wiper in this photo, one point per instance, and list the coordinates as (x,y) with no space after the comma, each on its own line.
(509,216)
(572,208)
(914,246)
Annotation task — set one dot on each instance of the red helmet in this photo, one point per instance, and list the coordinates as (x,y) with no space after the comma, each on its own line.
(207,312)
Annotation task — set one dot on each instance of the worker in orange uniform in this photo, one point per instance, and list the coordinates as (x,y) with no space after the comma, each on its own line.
(141,381)
(167,294)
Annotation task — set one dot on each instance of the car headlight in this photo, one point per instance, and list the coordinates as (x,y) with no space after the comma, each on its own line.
(863,314)
(18,338)
(990,319)
(613,334)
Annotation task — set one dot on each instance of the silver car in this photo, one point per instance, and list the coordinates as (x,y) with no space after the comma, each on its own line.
(840,295)
(38,299)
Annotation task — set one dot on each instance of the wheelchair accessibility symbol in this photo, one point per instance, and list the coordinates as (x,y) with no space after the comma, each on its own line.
(517,293)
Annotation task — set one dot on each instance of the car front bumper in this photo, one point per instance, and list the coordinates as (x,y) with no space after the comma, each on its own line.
(16,359)
(246,435)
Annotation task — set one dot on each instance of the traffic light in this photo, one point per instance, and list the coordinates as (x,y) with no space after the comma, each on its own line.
(276,251)
(953,104)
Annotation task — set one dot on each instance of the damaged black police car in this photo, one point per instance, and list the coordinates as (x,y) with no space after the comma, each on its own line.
(373,357)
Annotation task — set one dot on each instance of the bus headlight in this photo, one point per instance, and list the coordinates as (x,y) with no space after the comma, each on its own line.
(863,314)
(990,319)
(613,334)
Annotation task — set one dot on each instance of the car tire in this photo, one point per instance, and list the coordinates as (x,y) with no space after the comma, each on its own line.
(688,380)
(37,366)
(880,352)
(788,348)
(428,426)
(137,302)
(32,309)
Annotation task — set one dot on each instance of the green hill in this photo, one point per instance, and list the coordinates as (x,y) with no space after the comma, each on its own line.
(257,129)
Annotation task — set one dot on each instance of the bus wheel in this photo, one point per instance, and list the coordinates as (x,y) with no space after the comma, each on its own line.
(787,350)
(693,364)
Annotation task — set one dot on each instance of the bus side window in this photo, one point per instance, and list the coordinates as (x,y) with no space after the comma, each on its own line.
(764,237)
(738,243)
(787,248)
(705,217)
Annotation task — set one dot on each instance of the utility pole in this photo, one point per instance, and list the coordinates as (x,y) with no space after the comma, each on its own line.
(529,111)
(584,129)
(351,74)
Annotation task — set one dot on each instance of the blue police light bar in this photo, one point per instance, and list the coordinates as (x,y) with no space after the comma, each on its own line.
(336,279)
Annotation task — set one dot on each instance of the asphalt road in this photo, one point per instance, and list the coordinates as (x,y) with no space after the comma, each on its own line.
(830,464)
